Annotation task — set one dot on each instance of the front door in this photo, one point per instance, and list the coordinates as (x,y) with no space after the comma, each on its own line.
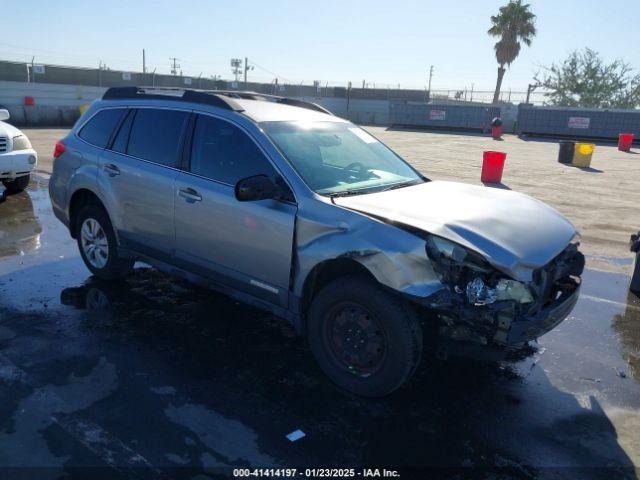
(247,245)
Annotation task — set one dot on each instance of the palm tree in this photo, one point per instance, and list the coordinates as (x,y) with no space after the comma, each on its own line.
(514,24)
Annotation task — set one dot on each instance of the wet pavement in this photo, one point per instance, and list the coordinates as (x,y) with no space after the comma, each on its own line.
(154,378)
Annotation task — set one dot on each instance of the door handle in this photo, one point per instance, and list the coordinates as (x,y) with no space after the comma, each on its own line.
(111,169)
(190,195)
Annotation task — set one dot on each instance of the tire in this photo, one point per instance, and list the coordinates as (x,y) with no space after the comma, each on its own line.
(17,185)
(103,238)
(378,321)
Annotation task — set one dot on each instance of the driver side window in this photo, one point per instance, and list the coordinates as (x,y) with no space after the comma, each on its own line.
(222,152)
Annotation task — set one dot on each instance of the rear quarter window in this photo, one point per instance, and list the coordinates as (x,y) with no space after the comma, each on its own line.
(97,131)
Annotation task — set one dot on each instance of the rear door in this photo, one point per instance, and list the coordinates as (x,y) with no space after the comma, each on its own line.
(137,178)
(247,245)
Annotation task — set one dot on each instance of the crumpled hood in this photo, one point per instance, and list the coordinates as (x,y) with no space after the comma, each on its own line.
(513,231)
(9,131)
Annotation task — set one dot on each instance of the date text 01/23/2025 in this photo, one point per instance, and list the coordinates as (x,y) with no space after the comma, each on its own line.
(316,473)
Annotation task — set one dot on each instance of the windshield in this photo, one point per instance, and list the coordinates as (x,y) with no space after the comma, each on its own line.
(339,158)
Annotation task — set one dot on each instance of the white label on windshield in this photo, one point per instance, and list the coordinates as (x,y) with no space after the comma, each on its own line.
(362,135)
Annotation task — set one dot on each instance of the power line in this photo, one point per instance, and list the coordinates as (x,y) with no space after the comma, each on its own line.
(270,72)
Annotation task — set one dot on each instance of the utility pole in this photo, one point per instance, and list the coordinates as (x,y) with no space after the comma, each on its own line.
(175,66)
(144,62)
(430,76)
(100,74)
(530,89)
(33,74)
(247,67)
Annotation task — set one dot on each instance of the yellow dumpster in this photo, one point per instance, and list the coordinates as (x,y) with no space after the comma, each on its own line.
(582,154)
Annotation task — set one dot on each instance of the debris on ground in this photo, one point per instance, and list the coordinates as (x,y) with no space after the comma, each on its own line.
(296,435)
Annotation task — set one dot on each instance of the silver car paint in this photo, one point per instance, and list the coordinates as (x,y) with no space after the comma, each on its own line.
(513,231)
(394,257)
(353,227)
(246,242)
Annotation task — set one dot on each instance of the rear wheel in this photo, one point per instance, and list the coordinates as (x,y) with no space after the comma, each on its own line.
(17,185)
(366,340)
(98,245)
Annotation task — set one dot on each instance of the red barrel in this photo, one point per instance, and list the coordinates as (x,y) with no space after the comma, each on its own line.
(624,141)
(29,101)
(492,166)
(496,131)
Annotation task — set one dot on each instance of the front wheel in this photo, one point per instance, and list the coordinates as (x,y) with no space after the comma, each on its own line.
(366,340)
(17,185)
(98,245)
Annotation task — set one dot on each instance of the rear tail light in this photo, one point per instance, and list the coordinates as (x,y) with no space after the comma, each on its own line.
(59,150)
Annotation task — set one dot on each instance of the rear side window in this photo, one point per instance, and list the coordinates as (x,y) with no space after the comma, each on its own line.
(98,130)
(223,152)
(156,135)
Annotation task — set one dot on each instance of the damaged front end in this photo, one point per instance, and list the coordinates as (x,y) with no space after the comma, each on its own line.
(482,305)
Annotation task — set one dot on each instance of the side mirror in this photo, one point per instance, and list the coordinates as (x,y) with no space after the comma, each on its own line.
(257,187)
(4,114)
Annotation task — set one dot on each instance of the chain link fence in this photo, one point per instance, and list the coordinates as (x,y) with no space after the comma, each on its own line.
(100,77)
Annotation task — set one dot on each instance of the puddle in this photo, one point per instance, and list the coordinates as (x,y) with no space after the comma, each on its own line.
(622,261)
(19,229)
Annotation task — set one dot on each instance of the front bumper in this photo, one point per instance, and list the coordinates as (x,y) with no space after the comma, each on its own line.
(530,328)
(17,163)
(511,338)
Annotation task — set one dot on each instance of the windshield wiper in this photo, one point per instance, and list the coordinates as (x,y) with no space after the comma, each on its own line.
(399,185)
(346,193)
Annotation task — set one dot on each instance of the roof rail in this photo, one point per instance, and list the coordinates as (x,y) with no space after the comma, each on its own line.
(217,98)
(294,102)
(178,94)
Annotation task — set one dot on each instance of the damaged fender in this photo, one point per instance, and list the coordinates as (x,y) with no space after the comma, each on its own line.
(396,258)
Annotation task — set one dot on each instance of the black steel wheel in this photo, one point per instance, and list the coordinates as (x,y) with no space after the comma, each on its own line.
(355,338)
(367,340)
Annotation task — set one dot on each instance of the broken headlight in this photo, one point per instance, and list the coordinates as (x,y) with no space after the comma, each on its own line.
(471,276)
(450,259)
(479,293)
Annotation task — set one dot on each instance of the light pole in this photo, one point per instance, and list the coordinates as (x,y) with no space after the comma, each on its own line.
(236,67)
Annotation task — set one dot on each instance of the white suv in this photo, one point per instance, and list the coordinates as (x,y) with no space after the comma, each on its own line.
(17,158)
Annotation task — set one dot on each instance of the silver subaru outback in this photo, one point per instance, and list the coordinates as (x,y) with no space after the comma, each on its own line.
(282,205)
